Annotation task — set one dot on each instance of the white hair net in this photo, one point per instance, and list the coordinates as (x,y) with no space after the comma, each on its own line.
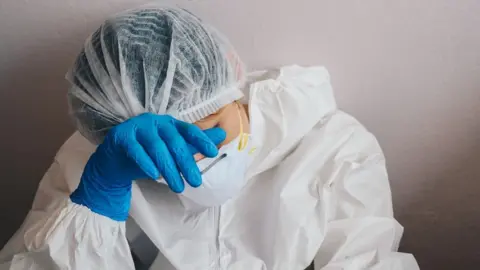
(157,59)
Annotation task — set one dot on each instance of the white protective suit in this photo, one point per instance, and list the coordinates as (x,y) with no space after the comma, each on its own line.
(317,190)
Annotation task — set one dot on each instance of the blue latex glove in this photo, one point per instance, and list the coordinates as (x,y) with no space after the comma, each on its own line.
(146,146)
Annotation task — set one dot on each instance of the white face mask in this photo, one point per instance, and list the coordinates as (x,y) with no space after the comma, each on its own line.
(223,177)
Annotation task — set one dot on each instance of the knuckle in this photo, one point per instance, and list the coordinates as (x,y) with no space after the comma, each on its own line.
(123,136)
(168,117)
(165,119)
(157,149)
(181,154)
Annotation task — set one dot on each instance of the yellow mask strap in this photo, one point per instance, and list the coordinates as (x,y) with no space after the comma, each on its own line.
(243,136)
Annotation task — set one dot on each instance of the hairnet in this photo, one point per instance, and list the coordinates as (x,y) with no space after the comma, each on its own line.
(159,60)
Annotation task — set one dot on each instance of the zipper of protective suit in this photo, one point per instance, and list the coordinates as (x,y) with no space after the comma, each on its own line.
(218,263)
(218,253)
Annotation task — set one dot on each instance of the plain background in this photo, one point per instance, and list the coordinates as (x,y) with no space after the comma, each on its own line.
(409,70)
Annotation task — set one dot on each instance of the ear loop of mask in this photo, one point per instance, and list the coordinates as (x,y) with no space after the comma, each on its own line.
(241,144)
(243,136)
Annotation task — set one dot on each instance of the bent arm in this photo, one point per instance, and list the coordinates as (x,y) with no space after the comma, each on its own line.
(59,234)
(361,232)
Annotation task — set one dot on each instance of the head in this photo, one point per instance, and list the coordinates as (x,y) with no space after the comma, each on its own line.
(158,60)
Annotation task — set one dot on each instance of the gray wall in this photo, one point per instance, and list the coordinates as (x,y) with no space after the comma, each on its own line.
(409,70)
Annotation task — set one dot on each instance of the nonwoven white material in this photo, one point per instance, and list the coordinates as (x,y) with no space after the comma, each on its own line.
(158,60)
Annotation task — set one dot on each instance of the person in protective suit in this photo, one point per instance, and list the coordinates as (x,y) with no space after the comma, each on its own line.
(218,168)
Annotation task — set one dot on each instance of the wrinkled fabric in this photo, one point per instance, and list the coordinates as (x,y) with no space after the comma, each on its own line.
(317,190)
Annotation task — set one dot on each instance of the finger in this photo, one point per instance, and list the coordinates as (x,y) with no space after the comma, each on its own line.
(199,139)
(181,154)
(158,151)
(192,149)
(217,135)
(137,154)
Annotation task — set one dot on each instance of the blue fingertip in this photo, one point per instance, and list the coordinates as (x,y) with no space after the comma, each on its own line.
(197,181)
(177,188)
(218,135)
(212,151)
(152,172)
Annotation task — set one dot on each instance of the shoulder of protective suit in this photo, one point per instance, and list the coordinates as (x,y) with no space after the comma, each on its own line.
(72,157)
(314,74)
(304,92)
(75,144)
(286,104)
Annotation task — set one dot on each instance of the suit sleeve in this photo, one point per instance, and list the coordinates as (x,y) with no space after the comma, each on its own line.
(58,234)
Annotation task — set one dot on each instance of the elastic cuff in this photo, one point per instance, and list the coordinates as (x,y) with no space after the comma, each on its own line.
(210,106)
(114,205)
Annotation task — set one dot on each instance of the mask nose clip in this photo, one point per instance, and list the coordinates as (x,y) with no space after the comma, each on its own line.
(224,155)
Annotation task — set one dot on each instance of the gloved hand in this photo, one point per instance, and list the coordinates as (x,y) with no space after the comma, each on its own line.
(146,146)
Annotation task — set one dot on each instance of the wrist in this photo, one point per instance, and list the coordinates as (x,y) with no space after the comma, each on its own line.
(112,202)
